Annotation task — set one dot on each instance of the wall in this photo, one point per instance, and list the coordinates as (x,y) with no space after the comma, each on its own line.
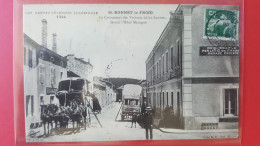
(208,66)
(203,102)
(30,82)
(208,106)
(82,68)
(47,81)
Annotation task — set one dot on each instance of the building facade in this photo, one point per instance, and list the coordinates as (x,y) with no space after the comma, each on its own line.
(110,92)
(51,70)
(100,90)
(119,93)
(32,100)
(82,68)
(104,91)
(43,69)
(202,90)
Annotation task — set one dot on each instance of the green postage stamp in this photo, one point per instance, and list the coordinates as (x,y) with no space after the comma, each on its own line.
(221,24)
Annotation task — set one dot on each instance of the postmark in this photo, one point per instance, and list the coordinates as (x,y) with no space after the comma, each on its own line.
(221,27)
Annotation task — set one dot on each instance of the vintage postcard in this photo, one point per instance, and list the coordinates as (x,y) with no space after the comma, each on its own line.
(110,72)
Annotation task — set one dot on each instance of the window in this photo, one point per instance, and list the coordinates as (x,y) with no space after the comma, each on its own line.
(158,99)
(160,67)
(172,58)
(32,105)
(152,74)
(42,74)
(178,52)
(163,65)
(27,104)
(30,59)
(172,98)
(163,100)
(61,73)
(51,99)
(154,99)
(167,66)
(167,98)
(157,69)
(24,56)
(178,104)
(41,100)
(154,71)
(52,59)
(53,76)
(230,102)
(41,55)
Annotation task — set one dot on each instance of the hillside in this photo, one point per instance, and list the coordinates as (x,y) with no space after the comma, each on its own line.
(117,82)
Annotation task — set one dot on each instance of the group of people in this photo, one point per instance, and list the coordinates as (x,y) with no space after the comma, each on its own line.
(169,120)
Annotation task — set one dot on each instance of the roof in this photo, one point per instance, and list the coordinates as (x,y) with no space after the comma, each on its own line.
(72,74)
(79,59)
(121,87)
(75,79)
(51,52)
(85,62)
(26,37)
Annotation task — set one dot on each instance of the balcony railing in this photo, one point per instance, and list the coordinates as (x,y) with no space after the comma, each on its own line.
(173,73)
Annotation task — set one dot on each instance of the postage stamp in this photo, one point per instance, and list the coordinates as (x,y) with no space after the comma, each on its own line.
(221,26)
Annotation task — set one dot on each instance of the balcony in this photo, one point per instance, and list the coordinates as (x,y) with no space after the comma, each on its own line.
(175,73)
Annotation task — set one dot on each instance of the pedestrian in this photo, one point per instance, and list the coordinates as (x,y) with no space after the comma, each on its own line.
(148,122)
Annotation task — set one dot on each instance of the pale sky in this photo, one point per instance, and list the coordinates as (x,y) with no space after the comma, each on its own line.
(124,47)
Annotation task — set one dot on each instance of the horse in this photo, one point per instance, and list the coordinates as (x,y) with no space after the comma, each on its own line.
(76,113)
(64,121)
(46,117)
(62,117)
(134,119)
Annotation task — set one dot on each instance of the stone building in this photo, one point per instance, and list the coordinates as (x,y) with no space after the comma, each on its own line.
(100,90)
(110,92)
(104,91)
(202,90)
(82,68)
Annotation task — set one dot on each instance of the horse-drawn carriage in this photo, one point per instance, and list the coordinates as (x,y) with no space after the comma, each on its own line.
(73,105)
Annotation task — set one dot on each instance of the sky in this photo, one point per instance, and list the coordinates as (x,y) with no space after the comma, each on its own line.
(114,50)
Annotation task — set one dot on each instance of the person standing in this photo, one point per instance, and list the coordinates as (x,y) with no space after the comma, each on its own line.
(148,122)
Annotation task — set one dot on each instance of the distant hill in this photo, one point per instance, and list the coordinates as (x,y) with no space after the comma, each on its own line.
(117,82)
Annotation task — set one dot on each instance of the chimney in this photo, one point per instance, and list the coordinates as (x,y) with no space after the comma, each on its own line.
(44,33)
(54,41)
